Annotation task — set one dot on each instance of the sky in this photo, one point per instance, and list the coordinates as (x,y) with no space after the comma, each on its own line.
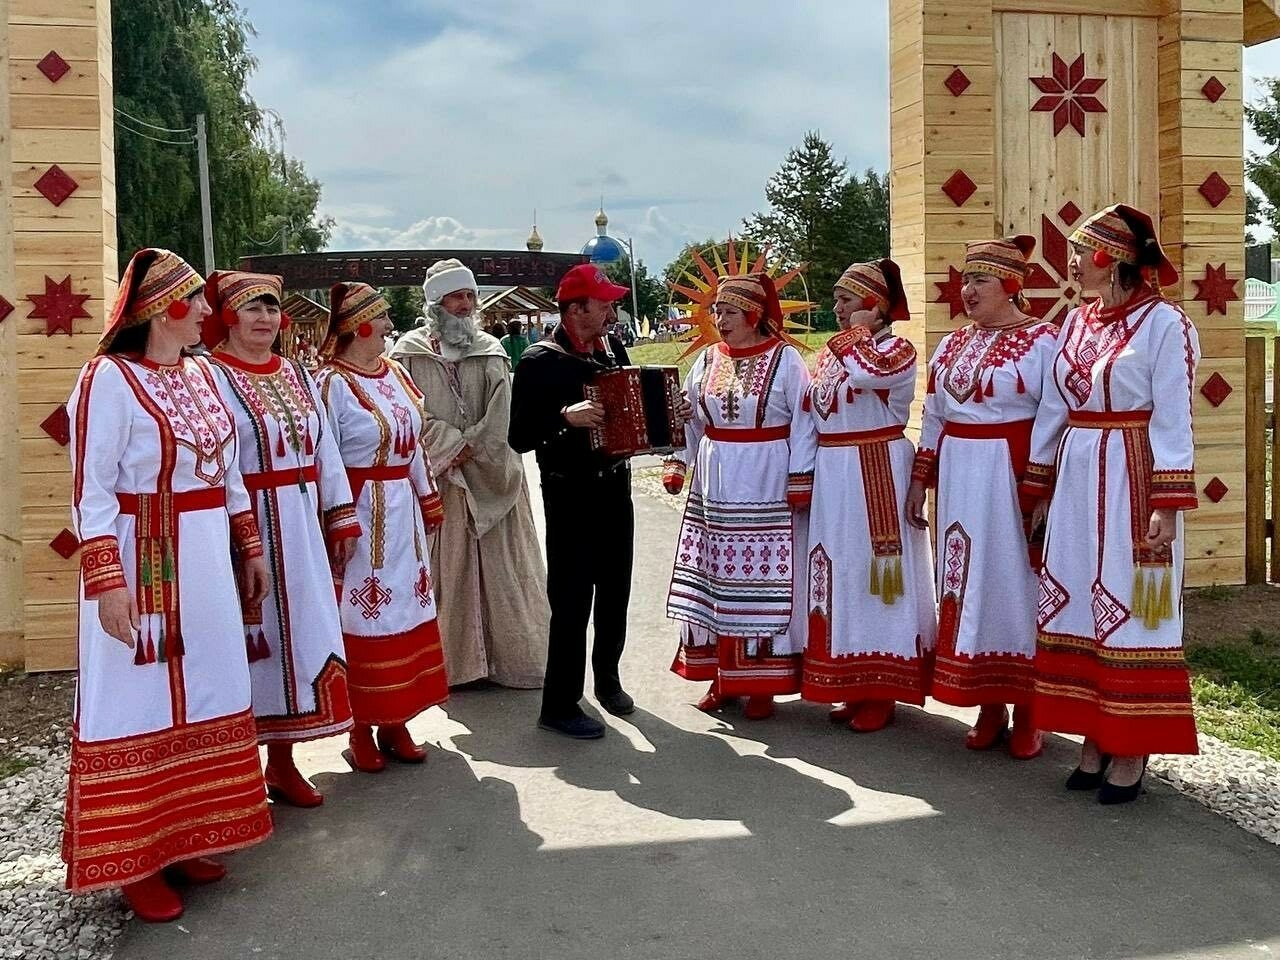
(442,125)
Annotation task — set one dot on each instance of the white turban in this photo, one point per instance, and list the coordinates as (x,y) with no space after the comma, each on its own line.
(437,286)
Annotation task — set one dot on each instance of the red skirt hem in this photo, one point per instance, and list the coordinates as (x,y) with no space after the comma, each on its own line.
(394,678)
(736,673)
(961,681)
(331,716)
(872,676)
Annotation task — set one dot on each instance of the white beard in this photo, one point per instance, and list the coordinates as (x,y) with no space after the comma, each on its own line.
(455,334)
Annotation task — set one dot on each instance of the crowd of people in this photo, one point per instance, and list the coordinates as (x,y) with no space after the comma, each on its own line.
(271,556)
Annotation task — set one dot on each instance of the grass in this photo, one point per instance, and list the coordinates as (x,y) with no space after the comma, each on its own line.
(1236,688)
(668,354)
(11,764)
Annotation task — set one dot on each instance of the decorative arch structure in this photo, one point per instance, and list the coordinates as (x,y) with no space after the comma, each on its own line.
(1025,116)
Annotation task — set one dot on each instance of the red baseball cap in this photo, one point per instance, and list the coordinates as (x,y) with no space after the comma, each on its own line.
(588,280)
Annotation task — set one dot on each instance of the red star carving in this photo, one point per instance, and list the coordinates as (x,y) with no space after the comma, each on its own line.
(1216,289)
(58,306)
(949,291)
(1068,94)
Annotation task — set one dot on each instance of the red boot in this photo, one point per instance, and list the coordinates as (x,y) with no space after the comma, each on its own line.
(394,742)
(992,725)
(844,712)
(363,755)
(873,715)
(712,700)
(758,708)
(1025,743)
(197,871)
(285,783)
(152,899)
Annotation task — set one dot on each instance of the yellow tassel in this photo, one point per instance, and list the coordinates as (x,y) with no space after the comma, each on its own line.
(875,577)
(1166,595)
(1151,618)
(1138,605)
(895,566)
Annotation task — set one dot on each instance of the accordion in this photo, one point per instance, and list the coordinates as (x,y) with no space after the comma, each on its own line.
(639,410)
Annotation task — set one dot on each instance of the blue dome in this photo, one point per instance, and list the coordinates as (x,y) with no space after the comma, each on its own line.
(604,249)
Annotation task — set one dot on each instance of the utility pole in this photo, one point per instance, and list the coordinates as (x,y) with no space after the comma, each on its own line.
(206,210)
(635,310)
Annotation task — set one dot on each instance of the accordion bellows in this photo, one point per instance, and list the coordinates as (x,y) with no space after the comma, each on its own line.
(640,410)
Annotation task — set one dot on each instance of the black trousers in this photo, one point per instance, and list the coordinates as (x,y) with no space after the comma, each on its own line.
(590,542)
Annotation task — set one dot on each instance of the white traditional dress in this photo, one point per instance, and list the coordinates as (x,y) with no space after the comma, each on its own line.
(164,756)
(490,578)
(394,661)
(870,579)
(1113,442)
(294,472)
(983,390)
(739,579)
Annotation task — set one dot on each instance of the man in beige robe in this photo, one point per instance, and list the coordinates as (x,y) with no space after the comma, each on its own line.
(490,580)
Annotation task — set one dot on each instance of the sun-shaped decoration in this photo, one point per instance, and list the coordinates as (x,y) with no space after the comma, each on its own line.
(697,288)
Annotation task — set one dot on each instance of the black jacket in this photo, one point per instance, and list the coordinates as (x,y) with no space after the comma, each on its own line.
(546,381)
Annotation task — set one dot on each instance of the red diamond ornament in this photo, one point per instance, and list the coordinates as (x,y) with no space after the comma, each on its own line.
(58,306)
(1213,89)
(55,185)
(959,188)
(1215,490)
(58,425)
(1070,213)
(65,544)
(53,66)
(1216,389)
(6,308)
(1215,189)
(957,82)
(1216,290)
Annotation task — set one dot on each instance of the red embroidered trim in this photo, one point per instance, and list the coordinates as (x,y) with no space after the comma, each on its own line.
(100,566)
(925,467)
(1174,489)
(245,536)
(865,352)
(1039,480)
(341,522)
(432,510)
(800,489)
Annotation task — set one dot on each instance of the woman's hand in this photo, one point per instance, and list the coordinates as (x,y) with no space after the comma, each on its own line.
(253,580)
(915,506)
(1163,527)
(340,552)
(118,614)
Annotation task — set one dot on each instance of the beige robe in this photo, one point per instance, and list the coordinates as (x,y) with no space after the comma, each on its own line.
(490,578)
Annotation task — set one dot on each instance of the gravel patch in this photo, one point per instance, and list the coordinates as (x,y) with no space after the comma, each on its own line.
(39,919)
(1241,785)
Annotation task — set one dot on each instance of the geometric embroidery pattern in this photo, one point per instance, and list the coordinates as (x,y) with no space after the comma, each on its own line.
(1109,614)
(1053,599)
(370,597)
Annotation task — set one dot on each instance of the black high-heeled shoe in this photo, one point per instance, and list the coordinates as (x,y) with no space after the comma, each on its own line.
(1109,794)
(1079,780)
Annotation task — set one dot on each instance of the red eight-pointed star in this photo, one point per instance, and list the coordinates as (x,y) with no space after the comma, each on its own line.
(1069,94)
(58,306)
(1216,289)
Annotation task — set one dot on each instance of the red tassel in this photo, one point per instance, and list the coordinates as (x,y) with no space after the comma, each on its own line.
(977,394)
(264,651)
(151,650)
(279,442)
(991,386)
(139,652)
(176,649)
(933,381)
(806,404)
(848,395)
(308,446)
(1022,387)
(413,442)
(251,651)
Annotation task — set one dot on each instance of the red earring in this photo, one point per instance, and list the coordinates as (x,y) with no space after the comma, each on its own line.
(869,302)
(1102,259)
(230,317)
(1010,286)
(178,310)
(364,330)
(285,321)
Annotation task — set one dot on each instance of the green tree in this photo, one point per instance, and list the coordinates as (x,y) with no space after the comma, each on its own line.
(1264,168)
(651,292)
(174,59)
(407,304)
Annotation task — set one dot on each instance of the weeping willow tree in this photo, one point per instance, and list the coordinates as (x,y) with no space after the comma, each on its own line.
(174,59)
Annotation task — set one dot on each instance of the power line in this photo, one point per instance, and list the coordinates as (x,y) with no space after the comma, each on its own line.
(144,123)
(147,136)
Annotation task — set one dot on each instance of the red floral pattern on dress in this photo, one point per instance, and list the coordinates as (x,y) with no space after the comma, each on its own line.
(245,535)
(195,414)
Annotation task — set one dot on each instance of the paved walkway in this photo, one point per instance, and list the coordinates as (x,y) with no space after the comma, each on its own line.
(683,836)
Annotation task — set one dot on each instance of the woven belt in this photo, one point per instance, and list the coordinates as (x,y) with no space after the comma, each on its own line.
(270,479)
(1108,419)
(748,434)
(860,438)
(185,502)
(366,474)
(1002,430)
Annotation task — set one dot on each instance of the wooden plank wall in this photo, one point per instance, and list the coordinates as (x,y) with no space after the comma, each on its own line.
(68,123)
(1197,139)
(11,613)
